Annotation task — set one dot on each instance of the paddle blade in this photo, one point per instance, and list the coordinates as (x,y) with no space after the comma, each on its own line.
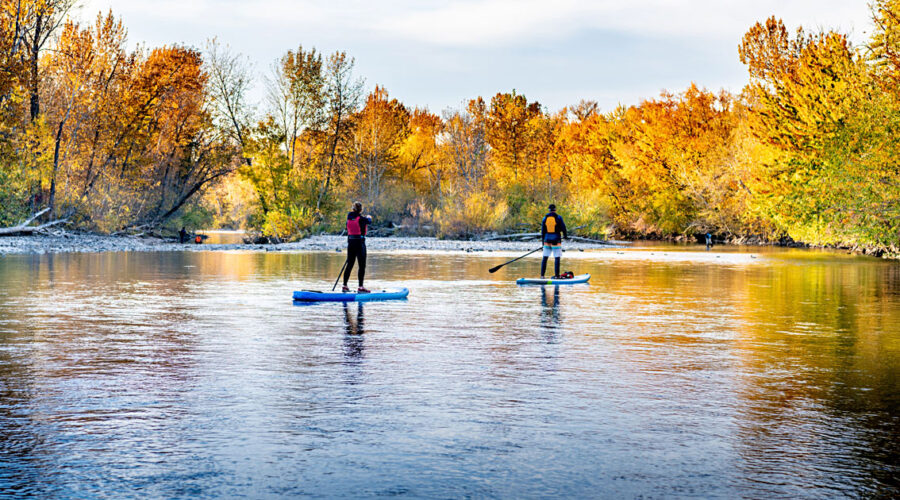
(495,269)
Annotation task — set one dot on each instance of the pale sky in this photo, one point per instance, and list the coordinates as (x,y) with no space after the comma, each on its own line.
(438,54)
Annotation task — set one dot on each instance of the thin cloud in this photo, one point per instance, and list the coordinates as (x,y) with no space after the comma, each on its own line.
(509,22)
(470,23)
(439,53)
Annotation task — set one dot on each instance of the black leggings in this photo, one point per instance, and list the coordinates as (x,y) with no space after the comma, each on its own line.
(356,251)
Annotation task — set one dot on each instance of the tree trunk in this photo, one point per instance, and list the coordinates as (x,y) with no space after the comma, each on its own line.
(324,192)
(55,167)
(35,49)
(24,227)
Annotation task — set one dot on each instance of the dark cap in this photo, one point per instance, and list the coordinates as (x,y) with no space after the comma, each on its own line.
(552,206)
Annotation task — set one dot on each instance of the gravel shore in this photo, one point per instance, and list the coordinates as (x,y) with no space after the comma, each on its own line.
(86,242)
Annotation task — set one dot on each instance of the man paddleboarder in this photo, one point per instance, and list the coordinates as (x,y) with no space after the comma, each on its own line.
(357,227)
(553,230)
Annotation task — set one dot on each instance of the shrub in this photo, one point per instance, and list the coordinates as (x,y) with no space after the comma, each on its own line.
(296,223)
(463,216)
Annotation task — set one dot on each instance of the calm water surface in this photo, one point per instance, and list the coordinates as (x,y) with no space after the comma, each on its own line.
(674,373)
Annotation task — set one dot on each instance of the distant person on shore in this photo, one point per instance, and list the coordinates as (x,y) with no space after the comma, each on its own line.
(553,230)
(357,227)
(182,235)
(709,241)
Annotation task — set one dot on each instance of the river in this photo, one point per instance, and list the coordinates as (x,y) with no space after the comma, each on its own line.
(674,373)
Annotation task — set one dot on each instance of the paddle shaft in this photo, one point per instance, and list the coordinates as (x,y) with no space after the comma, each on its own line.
(495,269)
(339,274)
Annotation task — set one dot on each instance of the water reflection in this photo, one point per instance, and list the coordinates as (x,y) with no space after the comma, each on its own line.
(20,438)
(180,374)
(354,330)
(550,312)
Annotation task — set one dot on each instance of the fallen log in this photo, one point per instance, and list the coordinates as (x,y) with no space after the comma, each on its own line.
(599,242)
(33,217)
(511,236)
(522,236)
(24,228)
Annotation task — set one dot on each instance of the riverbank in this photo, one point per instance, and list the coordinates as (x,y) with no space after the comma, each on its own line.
(81,242)
(75,242)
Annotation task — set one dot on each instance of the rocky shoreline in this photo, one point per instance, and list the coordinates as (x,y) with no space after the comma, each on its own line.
(76,242)
(81,242)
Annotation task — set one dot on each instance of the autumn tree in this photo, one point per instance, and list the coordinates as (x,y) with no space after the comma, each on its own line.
(468,201)
(584,110)
(804,92)
(41,19)
(545,158)
(884,47)
(312,102)
(379,132)
(296,97)
(230,81)
(83,62)
(507,130)
(269,173)
(464,145)
(343,91)
(13,70)
(188,154)
(667,147)
(133,138)
(594,176)
(420,160)
(13,182)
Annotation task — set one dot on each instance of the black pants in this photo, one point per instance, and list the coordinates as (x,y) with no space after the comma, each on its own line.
(356,252)
(544,266)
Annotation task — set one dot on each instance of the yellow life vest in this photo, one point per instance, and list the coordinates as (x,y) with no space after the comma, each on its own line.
(550,224)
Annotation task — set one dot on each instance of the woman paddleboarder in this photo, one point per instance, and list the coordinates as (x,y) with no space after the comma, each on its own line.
(357,227)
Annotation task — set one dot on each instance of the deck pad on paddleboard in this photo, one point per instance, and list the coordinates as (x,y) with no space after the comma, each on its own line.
(581,278)
(386,294)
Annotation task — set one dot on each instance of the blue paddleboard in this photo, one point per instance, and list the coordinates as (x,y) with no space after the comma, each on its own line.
(386,294)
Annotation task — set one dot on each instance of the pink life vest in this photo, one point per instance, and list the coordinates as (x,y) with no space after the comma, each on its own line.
(354,229)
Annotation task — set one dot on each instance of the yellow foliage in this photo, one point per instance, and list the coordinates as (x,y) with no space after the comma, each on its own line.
(126,138)
(289,225)
(468,214)
(230,202)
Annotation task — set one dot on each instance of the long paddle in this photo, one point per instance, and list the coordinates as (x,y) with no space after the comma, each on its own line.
(497,268)
(339,275)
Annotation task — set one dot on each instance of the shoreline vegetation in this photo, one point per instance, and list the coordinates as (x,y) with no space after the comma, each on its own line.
(102,139)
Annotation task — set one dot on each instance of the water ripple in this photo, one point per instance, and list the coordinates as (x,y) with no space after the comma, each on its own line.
(670,375)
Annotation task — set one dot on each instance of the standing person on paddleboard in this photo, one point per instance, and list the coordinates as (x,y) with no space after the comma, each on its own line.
(357,227)
(553,230)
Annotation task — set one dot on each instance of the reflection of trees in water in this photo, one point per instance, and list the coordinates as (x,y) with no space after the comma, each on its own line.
(812,344)
(354,330)
(108,310)
(77,328)
(21,436)
(817,432)
(820,385)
